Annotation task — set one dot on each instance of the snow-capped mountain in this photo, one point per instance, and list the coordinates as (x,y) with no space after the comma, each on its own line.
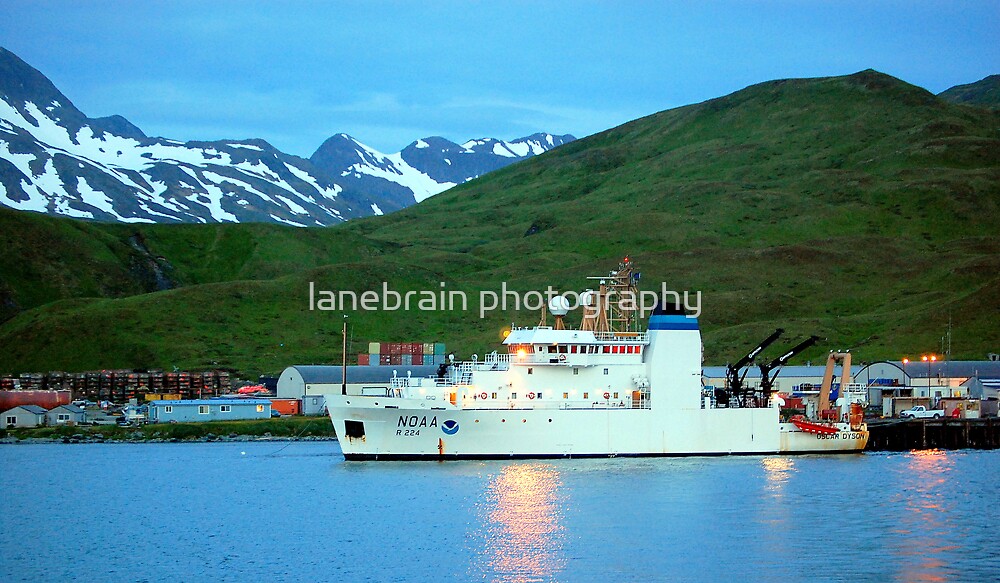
(425,167)
(56,160)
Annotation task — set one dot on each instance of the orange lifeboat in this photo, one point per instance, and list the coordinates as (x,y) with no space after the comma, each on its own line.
(812,426)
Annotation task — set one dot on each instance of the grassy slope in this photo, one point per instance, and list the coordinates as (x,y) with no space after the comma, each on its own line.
(858,208)
(982,93)
(861,208)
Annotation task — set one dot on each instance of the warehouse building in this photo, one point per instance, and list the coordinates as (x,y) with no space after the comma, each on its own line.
(208,410)
(298,381)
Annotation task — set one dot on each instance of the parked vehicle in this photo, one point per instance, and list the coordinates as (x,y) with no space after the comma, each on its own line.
(921,412)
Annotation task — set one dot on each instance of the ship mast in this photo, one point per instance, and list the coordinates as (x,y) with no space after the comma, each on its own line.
(613,307)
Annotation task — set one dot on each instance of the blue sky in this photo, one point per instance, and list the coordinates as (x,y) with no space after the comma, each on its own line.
(387,73)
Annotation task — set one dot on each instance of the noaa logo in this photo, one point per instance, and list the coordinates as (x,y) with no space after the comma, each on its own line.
(450,427)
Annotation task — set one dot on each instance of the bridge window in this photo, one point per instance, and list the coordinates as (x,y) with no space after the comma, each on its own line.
(530,370)
(565,395)
(572,349)
(586,395)
(605,371)
(576,370)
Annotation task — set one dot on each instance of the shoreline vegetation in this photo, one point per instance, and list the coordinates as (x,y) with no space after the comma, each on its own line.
(283,429)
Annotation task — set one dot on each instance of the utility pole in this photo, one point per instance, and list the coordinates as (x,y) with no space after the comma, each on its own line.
(343,367)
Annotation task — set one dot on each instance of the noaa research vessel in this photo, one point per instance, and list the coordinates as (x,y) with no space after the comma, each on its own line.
(598,391)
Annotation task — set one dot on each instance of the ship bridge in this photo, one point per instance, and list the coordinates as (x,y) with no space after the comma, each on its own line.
(549,346)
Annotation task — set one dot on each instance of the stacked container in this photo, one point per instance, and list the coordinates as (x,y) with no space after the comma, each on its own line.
(401,353)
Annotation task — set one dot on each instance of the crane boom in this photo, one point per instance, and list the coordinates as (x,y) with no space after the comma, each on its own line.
(748,358)
(767,379)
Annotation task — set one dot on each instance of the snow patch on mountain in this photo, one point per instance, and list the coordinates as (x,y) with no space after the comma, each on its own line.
(56,160)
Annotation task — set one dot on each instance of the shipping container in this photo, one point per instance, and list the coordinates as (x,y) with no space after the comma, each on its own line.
(417,359)
(384,347)
(428,348)
(363,359)
(374,348)
(153,397)
(286,406)
(373,360)
(395,359)
(407,360)
(439,348)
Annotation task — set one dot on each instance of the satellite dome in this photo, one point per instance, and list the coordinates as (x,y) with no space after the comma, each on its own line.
(559,306)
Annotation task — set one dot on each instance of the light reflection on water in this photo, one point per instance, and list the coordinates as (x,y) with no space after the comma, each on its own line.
(927,526)
(774,508)
(520,535)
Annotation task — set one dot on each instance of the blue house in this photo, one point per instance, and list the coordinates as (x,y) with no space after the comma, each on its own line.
(208,410)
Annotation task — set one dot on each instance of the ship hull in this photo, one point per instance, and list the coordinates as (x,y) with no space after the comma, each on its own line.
(412,429)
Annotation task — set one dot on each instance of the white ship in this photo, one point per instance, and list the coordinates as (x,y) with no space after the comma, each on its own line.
(599,391)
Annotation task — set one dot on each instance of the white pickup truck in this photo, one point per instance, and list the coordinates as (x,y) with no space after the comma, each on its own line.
(921,412)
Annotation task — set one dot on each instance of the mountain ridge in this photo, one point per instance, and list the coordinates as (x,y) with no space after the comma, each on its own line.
(857,208)
(982,93)
(55,159)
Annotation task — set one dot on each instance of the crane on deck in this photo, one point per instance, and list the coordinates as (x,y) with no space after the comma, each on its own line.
(766,376)
(734,379)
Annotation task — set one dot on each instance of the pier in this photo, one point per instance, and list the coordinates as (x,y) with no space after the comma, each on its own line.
(900,435)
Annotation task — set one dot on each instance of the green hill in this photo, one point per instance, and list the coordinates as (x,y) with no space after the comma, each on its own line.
(859,208)
(982,93)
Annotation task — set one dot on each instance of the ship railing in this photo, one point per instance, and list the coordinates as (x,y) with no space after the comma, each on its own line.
(458,374)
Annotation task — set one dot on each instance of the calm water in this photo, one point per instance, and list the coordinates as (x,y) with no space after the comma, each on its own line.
(298,512)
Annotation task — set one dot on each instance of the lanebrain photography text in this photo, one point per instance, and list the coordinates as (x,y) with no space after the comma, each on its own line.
(487,301)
